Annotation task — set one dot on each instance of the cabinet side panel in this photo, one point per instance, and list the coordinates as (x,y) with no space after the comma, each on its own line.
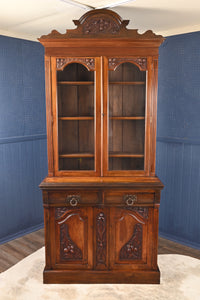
(49,115)
(154,115)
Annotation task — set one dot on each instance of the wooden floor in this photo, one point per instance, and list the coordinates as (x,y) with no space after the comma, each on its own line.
(16,250)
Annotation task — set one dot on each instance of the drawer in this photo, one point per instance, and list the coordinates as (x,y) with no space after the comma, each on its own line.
(128,198)
(74,198)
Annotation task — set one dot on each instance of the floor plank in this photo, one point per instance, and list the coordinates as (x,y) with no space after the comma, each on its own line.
(16,250)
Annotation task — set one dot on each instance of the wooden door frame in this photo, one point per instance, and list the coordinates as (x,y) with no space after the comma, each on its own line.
(148,131)
(97,121)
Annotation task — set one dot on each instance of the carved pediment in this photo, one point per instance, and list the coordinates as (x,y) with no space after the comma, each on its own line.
(101,23)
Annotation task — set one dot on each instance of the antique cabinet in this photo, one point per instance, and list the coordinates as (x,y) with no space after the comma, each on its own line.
(101,196)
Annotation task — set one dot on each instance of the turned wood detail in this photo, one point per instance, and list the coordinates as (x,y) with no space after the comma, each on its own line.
(89,63)
(142,211)
(141,62)
(132,250)
(101,238)
(101,23)
(68,249)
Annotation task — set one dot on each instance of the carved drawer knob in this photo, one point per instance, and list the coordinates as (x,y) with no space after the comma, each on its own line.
(130,200)
(73,200)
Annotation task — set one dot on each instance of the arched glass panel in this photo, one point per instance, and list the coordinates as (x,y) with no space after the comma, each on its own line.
(75,95)
(127,94)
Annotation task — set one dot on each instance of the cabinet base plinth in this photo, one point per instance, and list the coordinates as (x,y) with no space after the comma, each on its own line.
(85,276)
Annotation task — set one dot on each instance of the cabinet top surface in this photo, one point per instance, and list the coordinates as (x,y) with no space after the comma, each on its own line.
(101,24)
(101,182)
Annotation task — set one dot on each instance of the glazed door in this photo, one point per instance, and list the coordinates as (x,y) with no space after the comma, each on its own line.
(129,238)
(74,237)
(126,117)
(76,87)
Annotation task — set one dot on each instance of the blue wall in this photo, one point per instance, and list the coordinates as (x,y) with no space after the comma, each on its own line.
(178,138)
(23,158)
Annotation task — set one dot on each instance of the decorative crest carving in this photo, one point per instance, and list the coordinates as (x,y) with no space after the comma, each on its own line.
(89,63)
(113,63)
(132,250)
(101,23)
(101,238)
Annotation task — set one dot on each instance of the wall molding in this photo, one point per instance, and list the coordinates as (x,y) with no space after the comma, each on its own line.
(178,140)
(179,240)
(25,138)
(20,233)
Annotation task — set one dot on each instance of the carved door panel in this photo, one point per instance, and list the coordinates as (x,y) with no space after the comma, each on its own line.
(73,235)
(128,237)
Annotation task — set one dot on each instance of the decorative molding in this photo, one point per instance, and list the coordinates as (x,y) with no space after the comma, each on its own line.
(142,211)
(114,62)
(68,249)
(89,63)
(101,238)
(132,250)
(102,23)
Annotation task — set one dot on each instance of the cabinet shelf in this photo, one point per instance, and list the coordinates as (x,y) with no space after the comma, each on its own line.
(75,82)
(127,82)
(76,155)
(127,118)
(112,154)
(75,118)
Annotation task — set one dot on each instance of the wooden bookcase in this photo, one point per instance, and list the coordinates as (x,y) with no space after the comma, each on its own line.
(101,196)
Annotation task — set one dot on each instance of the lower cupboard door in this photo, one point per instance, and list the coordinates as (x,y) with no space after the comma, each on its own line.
(129,238)
(74,237)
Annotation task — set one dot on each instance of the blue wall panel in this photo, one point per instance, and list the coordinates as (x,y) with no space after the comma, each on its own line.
(178,138)
(23,158)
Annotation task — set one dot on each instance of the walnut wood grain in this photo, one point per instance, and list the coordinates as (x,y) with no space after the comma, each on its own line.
(101,196)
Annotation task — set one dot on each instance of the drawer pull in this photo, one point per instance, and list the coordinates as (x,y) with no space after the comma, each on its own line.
(73,200)
(130,200)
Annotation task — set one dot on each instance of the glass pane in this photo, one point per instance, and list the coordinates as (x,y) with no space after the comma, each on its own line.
(75,93)
(127,92)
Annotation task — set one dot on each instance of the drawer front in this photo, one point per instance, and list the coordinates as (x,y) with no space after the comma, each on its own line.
(74,198)
(128,198)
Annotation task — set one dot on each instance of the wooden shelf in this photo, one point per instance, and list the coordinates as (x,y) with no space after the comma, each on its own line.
(127,118)
(126,155)
(76,82)
(127,82)
(75,118)
(76,155)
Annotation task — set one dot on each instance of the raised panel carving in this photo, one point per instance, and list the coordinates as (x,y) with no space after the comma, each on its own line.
(68,249)
(132,250)
(101,238)
(72,235)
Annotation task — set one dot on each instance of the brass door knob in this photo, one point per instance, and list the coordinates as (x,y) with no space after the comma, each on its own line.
(73,200)
(130,200)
